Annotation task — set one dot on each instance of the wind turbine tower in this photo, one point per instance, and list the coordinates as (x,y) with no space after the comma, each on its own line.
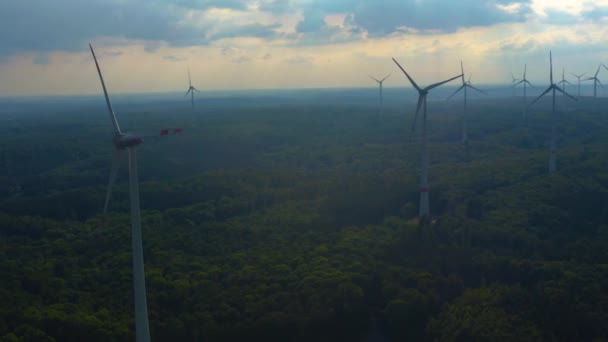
(128,142)
(380,86)
(191,90)
(552,88)
(525,82)
(595,81)
(424,169)
(578,77)
(463,87)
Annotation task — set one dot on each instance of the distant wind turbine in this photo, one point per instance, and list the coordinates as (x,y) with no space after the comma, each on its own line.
(552,87)
(578,77)
(525,82)
(464,86)
(380,86)
(424,169)
(563,82)
(513,81)
(595,81)
(191,90)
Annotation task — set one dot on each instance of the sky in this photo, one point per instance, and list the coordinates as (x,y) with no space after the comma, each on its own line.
(148,45)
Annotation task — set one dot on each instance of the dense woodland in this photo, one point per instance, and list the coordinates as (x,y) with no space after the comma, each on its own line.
(287,220)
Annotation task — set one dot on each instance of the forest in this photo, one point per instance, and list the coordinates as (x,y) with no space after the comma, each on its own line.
(286,218)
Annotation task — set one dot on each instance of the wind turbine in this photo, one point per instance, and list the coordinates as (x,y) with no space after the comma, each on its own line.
(595,81)
(129,142)
(191,90)
(424,169)
(552,87)
(464,86)
(525,81)
(513,81)
(578,77)
(380,86)
(564,81)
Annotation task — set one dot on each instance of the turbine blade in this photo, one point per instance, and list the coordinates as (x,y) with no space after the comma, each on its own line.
(525,67)
(188,92)
(457,90)
(105,92)
(113,172)
(564,92)
(462,72)
(408,76)
(470,76)
(435,85)
(518,83)
(385,77)
(600,82)
(605,67)
(530,84)
(598,69)
(420,99)
(198,91)
(373,78)
(189,80)
(479,90)
(539,96)
(550,67)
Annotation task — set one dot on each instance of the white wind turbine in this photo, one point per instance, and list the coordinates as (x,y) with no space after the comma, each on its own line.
(564,81)
(127,141)
(552,87)
(464,86)
(380,86)
(191,90)
(595,81)
(578,77)
(424,169)
(525,82)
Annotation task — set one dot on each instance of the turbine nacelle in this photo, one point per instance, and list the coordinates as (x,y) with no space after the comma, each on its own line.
(126,140)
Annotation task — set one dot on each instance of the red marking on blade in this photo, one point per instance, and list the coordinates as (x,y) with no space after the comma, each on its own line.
(177,130)
(424,189)
(164,132)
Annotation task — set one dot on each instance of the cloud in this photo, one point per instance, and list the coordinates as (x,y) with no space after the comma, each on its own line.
(313,21)
(68,25)
(172,58)
(250,30)
(240,60)
(276,6)
(557,17)
(42,59)
(112,53)
(596,13)
(298,60)
(381,18)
